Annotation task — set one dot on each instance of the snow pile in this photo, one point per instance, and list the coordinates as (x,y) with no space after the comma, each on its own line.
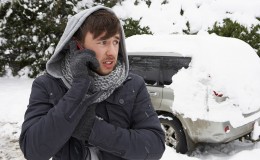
(221,66)
(9,146)
(256,132)
(173,16)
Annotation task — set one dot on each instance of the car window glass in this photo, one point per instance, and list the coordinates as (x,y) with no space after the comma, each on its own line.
(171,65)
(147,67)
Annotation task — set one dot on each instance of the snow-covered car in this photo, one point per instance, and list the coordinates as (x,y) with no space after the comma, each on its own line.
(205,88)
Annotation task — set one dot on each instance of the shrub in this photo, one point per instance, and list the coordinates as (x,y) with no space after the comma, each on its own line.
(233,29)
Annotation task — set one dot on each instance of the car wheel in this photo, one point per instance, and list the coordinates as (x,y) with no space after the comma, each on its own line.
(174,134)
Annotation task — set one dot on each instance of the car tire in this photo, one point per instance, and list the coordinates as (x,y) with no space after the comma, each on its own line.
(174,133)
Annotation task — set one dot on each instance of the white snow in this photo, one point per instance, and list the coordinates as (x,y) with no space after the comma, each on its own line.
(256,132)
(201,14)
(14,95)
(166,19)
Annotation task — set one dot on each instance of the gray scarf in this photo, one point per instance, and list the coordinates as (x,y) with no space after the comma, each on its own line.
(106,83)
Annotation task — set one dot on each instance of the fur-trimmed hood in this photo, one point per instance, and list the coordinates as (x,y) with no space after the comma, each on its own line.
(53,66)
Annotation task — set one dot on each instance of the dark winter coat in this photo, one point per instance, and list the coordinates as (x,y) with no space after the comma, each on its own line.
(128,127)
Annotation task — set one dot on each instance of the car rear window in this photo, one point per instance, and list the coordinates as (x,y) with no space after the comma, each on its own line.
(171,65)
(157,70)
(147,67)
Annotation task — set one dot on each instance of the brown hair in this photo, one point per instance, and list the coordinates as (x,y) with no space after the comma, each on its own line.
(97,23)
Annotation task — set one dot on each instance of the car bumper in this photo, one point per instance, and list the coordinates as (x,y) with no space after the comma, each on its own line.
(215,132)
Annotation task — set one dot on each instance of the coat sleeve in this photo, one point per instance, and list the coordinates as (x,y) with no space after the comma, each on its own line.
(48,127)
(144,140)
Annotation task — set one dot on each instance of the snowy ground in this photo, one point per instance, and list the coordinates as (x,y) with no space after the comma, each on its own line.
(14,95)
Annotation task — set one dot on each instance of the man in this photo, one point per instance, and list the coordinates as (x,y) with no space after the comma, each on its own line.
(88,106)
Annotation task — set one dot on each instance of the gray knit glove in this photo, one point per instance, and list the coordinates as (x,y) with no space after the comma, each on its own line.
(84,127)
(82,61)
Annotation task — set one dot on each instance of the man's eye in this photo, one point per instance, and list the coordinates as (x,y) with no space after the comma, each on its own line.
(116,42)
(102,42)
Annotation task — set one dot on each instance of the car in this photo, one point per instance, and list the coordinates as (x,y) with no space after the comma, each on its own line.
(204,88)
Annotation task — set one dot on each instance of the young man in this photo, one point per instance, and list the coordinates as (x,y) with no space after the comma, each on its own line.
(87,106)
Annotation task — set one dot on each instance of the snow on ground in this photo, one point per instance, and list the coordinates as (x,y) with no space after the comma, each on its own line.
(14,95)
(9,146)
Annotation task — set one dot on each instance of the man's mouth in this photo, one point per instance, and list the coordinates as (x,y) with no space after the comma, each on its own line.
(108,64)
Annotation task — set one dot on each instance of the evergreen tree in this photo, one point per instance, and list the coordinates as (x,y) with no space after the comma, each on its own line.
(132,27)
(235,30)
(3,11)
(107,3)
(148,2)
(30,30)
(15,27)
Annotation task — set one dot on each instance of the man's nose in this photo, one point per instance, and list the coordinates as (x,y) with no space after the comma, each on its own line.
(111,50)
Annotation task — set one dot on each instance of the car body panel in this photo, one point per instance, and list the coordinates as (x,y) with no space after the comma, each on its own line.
(156,94)
(200,131)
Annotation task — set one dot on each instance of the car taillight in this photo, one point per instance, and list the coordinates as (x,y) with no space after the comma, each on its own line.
(227,129)
(217,94)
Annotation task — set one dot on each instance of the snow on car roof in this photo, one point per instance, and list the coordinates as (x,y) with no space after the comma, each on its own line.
(222,65)
(187,45)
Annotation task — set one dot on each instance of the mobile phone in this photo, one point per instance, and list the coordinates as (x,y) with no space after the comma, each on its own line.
(79,45)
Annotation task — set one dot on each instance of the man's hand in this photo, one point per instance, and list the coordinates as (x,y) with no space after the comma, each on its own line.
(82,61)
(84,127)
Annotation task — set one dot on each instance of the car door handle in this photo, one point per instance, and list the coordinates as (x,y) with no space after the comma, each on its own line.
(153,93)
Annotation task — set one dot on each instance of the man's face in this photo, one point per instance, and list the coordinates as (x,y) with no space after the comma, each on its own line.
(106,51)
